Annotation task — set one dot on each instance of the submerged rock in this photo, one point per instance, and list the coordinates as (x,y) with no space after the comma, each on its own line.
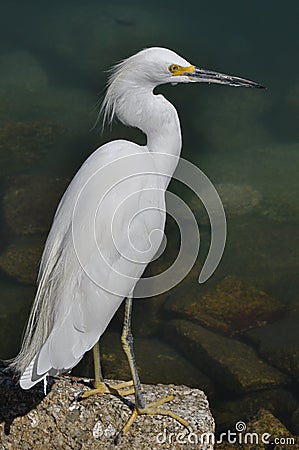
(265,253)
(20,259)
(30,201)
(274,432)
(157,362)
(233,306)
(279,401)
(295,421)
(237,199)
(278,343)
(231,363)
(262,432)
(25,94)
(20,69)
(56,104)
(31,420)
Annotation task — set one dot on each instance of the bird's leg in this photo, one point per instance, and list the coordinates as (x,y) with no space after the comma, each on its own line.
(100,387)
(140,404)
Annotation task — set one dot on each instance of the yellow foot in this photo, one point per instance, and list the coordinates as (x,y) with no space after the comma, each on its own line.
(153,408)
(121,389)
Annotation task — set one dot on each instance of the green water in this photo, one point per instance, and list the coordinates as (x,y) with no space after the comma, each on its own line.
(53,58)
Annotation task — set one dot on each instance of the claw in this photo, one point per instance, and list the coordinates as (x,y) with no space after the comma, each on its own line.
(121,389)
(152,408)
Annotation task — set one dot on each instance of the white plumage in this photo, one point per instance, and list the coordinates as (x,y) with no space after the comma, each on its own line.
(99,246)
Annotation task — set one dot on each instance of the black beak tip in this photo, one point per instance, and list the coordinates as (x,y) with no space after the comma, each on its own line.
(260,86)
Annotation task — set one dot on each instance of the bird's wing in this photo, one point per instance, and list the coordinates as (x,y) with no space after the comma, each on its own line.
(92,259)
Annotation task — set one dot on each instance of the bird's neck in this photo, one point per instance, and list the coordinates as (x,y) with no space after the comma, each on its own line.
(157,118)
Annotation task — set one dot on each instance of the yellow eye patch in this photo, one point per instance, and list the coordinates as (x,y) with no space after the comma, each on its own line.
(180,70)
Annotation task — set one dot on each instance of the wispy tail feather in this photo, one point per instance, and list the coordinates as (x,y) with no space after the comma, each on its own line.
(42,314)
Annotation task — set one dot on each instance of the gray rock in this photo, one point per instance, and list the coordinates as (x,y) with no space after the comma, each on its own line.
(278,343)
(58,420)
(232,363)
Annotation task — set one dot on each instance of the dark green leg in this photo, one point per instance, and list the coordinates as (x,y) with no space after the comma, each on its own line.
(127,343)
(140,407)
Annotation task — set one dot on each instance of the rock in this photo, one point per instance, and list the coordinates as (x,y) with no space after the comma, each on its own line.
(30,201)
(259,433)
(280,402)
(20,69)
(278,343)
(295,421)
(227,446)
(31,420)
(229,362)
(266,254)
(233,306)
(237,199)
(265,164)
(267,426)
(75,109)
(156,361)
(20,259)
(24,143)
(26,94)
(279,202)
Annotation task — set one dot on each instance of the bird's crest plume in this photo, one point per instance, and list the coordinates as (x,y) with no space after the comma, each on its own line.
(108,108)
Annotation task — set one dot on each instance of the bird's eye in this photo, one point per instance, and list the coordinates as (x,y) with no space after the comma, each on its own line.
(173,68)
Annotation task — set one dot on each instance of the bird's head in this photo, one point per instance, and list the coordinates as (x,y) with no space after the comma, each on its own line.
(155,66)
(158,65)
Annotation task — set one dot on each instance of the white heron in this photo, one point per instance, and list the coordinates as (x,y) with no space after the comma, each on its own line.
(78,292)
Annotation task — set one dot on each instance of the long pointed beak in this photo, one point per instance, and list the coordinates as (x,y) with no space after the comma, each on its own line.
(207,76)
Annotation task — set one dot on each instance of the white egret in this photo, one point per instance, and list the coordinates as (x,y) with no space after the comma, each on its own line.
(78,292)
